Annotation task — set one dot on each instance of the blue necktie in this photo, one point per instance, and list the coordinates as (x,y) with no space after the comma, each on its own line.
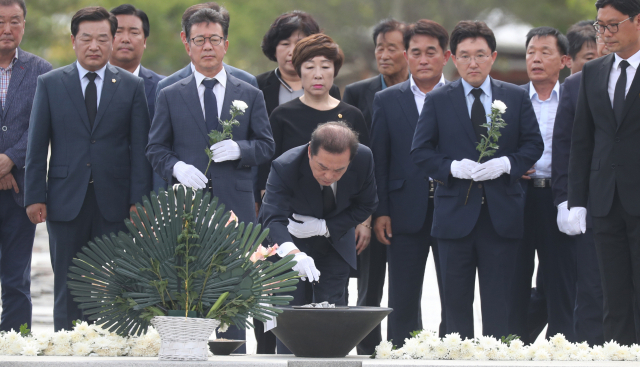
(210,104)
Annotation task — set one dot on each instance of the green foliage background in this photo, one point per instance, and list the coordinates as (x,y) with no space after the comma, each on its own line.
(349,22)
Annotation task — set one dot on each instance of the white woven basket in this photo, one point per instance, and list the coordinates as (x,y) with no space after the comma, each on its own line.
(184,339)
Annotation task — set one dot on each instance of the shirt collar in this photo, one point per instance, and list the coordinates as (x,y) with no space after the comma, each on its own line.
(137,71)
(15,58)
(284,84)
(486,86)
(221,77)
(633,61)
(384,85)
(533,92)
(414,86)
(82,71)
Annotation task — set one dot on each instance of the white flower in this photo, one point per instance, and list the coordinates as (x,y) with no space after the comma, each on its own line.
(559,341)
(452,341)
(440,351)
(499,105)
(30,349)
(240,105)
(516,344)
(81,349)
(223,328)
(541,355)
(82,327)
(582,355)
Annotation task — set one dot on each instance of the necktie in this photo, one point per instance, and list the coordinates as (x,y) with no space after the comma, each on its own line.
(328,201)
(210,104)
(91,98)
(620,92)
(478,114)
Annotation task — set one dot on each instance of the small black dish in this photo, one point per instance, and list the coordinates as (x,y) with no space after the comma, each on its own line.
(224,347)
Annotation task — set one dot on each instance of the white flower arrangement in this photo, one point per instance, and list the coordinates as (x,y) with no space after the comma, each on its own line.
(427,345)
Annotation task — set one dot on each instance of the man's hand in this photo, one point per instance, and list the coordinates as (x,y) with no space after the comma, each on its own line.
(491,169)
(306,267)
(527,174)
(226,150)
(37,213)
(8,182)
(382,227)
(462,169)
(309,227)
(6,164)
(576,221)
(363,238)
(189,175)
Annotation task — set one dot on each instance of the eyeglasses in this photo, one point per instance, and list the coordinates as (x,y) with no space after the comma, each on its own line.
(613,28)
(199,40)
(479,59)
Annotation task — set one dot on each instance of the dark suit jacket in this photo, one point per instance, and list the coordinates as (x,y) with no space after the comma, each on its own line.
(445,133)
(605,156)
(269,84)
(179,133)
(291,188)
(112,153)
(17,109)
(151,80)
(403,187)
(360,94)
(186,71)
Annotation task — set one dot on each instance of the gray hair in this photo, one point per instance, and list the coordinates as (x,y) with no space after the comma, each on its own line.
(335,137)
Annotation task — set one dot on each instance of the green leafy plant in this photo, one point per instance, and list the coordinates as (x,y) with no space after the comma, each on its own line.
(508,339)
(181,253)
(24,330)
(216,136)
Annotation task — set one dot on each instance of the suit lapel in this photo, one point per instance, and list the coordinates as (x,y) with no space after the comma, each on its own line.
(71,81)
(17,74)
(109,87)
(374,87)
(311,188)
(458,99)
(189,92)
(232,92)
(632,95)
(602,93)
(148,84)
(344,187)
(270,92)
(408,105)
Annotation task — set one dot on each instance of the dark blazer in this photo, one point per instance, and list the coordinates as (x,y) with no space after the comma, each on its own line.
(14,119)
(445,133)
(360,94)
(403,187)
(186,71)
(179,133)
(151,80)
(605,156)
(112,153)
(291,188)
(269,84)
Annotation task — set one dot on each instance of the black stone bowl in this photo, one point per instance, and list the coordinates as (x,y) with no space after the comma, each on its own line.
(224,347)
(326,332)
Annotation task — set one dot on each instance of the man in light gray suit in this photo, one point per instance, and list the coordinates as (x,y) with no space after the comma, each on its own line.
(189,109)
(95,117)
(19,71)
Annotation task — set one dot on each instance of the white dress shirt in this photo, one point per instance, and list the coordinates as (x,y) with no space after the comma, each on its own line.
(633,61)
(546,115)
(419,96)
(137,71)
(218,90)
(485,97)
(84,81)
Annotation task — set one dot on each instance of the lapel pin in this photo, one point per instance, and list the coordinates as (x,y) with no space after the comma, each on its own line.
(339,115)
(113,80)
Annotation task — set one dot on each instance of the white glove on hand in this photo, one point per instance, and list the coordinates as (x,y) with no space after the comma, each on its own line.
(190,176)
(309,227)
(491,169)
(462,169)
(563,217)
(577,221)
(306,267)
(226,150)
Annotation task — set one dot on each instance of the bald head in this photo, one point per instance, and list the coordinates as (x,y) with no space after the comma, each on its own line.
(335,138)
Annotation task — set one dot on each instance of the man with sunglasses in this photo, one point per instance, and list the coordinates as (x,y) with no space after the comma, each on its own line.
(604,164)
(189,109)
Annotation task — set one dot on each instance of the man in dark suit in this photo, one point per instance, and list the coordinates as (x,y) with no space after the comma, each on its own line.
(483,232)
(189,109)
(128,48)
(604,169)
(546,56)
(19,71)
(316,194)
(388,38)
(95,116)
(405,212)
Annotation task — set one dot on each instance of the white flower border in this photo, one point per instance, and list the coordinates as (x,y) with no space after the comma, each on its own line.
(427,345)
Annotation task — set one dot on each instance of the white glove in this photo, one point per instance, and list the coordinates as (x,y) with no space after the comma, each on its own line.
(577,221)
(226,150)
(309,227)
(563,217)
(491,169)
(306,267)
(462,169)
(189,175)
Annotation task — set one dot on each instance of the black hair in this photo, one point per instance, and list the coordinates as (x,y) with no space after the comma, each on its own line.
(385,26)
(471,29)
(429,28)
(335,137)
(128,9)
(580,34)
(630,8)
(93,14)
(561,39)
(283,27)
(19,2)
(208,16)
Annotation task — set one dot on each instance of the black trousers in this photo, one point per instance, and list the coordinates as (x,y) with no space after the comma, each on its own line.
(617,240)
(557,270)
(588,310)
(407,256)
(16,244)
(494,259)
(66,239)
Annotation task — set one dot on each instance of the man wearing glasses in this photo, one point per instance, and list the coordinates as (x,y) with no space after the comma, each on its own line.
(604,164)
(484,233)
(189,109)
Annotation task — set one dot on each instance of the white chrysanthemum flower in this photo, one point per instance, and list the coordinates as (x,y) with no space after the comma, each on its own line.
(610,350)
(519,355)
(61,337)
(488,342)
(12,336)
(583,346)
(541,355)
(397,354)
(499,105)
(634,349)
(81,327)
(223,328)
(516,344)
(30,349)
(411,346)
(561,355)
(625,354)
(467,346)
(440,351)
(452,341)
(82,349)
(558,341)
(454,354)
(480,355)
(424,351)
(240,105)
(383,350)
(62,350)
(15,347)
